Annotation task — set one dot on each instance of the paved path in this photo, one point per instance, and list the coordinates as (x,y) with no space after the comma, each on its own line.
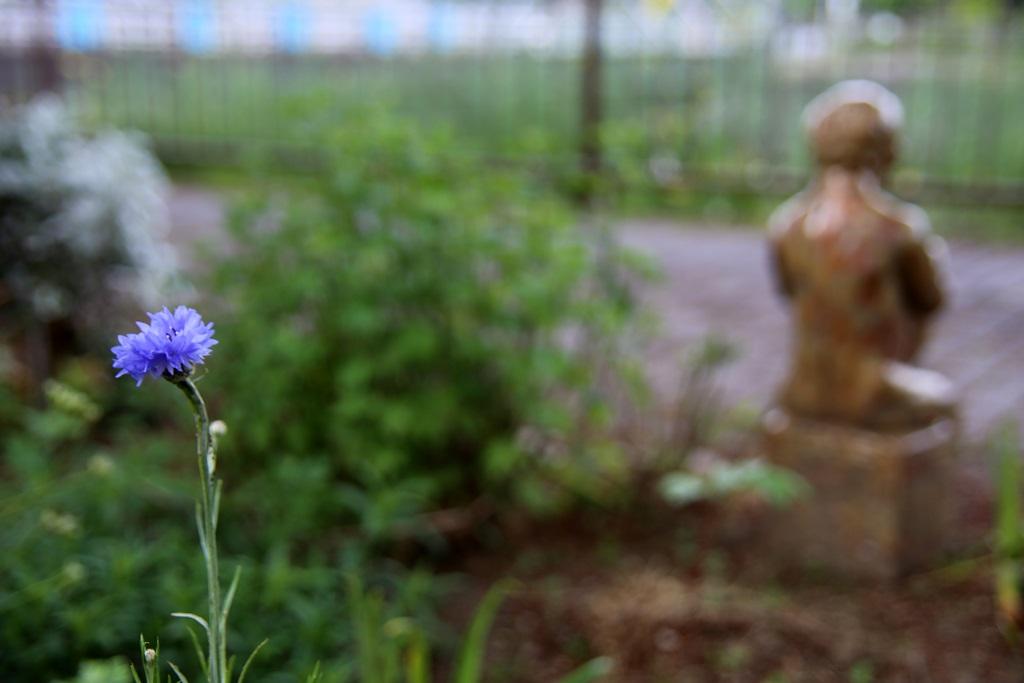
(716,281)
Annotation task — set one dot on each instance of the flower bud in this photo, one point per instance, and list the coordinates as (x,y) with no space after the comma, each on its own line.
(150,655)
(218,428)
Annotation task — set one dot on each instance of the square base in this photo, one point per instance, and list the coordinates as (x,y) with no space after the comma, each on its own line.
(880,502)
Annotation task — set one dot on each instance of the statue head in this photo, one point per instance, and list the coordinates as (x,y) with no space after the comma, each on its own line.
(856,125)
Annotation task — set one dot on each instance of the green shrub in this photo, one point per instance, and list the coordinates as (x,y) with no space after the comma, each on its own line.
(425,325)
(94,512)
(417,329)
(88,556)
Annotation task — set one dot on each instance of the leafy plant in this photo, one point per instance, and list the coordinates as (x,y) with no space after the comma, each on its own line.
(1009,533)
(91,523)
(92,500)
(396,650)
(425,323)
(697,402)
(84,535)
(774,484)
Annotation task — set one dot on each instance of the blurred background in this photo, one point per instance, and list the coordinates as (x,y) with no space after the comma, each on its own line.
(492,301)
(709,91)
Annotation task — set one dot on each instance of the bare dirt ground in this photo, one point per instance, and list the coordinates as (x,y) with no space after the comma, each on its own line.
(670,606)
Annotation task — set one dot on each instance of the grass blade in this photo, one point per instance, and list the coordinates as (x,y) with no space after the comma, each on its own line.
(368,630)
(314,675)
(591,671)
(1008,519)
(230,597)
(194,617)
(252,656)
(177,672)
(1009,535)
(417,660)
(471,656)
(199,652)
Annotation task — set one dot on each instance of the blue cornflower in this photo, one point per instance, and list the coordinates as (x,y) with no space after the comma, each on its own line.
(171,344)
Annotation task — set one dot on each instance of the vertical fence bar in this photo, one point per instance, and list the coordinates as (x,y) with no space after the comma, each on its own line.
(591,90)
(45,58)
(993,86)
(713,156)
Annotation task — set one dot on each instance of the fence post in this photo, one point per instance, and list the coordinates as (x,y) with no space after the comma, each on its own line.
(591,94)
(45,60)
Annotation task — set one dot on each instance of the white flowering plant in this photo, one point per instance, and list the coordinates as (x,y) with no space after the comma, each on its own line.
(82,220)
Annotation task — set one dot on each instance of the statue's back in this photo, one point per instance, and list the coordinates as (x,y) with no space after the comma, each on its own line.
(841,254)
(859,267)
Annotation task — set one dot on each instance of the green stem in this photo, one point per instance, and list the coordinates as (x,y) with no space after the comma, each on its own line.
(209,502)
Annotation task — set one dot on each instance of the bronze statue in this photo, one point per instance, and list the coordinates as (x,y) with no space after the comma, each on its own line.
(862,270)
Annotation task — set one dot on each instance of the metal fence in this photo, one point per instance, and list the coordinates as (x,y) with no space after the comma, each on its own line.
(690,93)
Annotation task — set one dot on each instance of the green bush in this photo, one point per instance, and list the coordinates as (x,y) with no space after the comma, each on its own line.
(416,330)
(88,556)
(424,325)
(95,512)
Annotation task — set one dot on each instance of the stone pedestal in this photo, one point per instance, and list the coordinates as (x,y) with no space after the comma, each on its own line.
(880,503)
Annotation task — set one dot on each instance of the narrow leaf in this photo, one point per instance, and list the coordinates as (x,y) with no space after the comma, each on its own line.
(1008,504)
(230,597)
(202,532)
(367,630)
(472,654)
(194,617)
(177,672)
(199,653)
(314,675)
(591,671)
(215,516)
(417,660)
(252,656)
